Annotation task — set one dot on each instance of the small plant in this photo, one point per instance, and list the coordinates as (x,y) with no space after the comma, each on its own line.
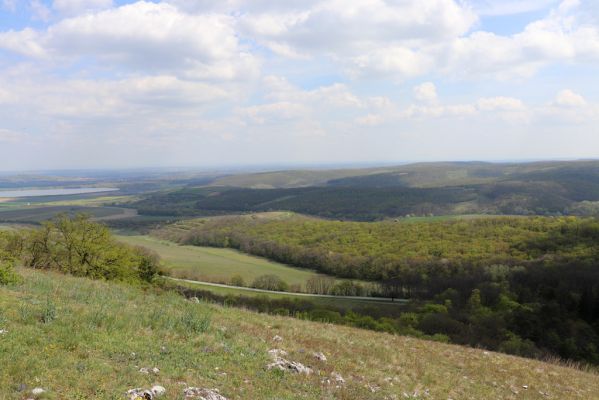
(49,312)
(194,321)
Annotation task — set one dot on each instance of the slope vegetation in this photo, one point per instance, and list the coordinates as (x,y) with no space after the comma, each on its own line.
(76,339)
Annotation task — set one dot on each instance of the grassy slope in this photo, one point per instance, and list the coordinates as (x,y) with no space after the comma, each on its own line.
(86,351)
(208,263)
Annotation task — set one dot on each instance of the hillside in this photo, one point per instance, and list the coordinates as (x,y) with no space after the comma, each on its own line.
(523,285)
(94,338)
(431,174)
(543,188)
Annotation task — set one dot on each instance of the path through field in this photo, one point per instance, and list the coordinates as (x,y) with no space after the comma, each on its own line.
(327,296)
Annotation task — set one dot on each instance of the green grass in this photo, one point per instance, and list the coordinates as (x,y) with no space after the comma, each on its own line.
(214,264)
(36,214)
(82,339)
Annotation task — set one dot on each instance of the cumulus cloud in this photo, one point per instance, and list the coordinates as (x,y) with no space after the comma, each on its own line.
(144,37)
(426,92)
(269,75)
(39,10)
(567,98)
(74,7)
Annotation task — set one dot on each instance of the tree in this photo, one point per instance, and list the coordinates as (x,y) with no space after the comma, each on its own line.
(320,284)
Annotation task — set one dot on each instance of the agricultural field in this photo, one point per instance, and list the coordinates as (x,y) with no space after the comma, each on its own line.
(214,264)
(35,214)
(94,337)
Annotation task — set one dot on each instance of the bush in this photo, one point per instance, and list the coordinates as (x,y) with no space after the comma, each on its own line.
(237,280)
(8,276)
(348,288)
(270,282)
(519,347)
(440,323)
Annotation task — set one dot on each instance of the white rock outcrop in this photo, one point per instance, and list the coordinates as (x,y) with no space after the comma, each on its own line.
(202,394)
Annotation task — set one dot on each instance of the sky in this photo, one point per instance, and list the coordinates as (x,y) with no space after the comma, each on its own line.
(121,84)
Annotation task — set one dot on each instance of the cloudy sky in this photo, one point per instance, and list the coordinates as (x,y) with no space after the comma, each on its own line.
(116,83)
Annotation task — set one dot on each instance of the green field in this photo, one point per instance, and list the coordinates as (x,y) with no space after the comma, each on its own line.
(214,264)
(35,214)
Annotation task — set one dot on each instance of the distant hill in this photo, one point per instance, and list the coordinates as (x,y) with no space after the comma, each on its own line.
(430,174)
(425,189)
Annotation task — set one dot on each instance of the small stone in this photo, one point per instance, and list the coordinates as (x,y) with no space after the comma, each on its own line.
(373,388)
(274,353)
(140,394)
(158,390)
(144,371)
(525,386)
(37,391)
(194,300)
(290,366)
(155,371)
(320,356)
(337,378)
(202,394)
(277,338)
(3,331)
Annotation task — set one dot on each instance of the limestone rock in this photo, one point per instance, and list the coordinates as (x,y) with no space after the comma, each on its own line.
(290,366)
(202,394)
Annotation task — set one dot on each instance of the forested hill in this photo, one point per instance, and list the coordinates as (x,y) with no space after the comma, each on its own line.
(549,188)
(522,285)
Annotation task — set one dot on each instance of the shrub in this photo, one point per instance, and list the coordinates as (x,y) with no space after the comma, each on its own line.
(8,276)
(270,282)
(348,288)
(237,280)
(440,323)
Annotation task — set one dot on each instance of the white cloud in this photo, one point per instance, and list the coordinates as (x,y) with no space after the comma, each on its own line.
(74,7)
(426,92)
(144,37)
(26,42)
(39,10)
(567,98)
(500,104)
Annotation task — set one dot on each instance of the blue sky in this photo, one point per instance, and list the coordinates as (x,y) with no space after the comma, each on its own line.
(103,83)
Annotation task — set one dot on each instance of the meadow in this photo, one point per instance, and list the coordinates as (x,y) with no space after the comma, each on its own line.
(80,339)
(36,214)
(215,264)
